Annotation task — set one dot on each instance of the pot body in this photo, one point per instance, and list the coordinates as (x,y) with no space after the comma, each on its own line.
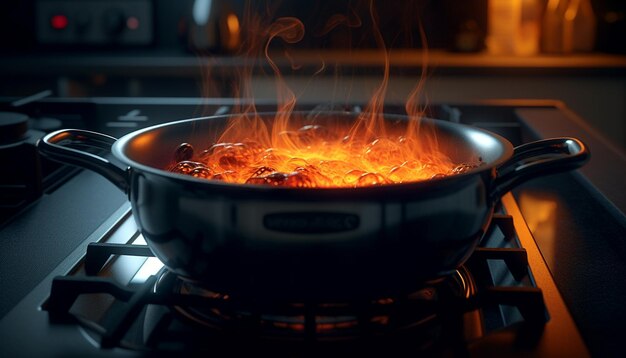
(267,242)
(307,247)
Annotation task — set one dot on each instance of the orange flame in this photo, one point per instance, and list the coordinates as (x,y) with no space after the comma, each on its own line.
(297,150)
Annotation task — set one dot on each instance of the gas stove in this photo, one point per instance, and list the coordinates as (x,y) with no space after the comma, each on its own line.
(74,267)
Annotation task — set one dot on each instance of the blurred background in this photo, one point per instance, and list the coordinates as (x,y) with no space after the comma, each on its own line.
(570,50)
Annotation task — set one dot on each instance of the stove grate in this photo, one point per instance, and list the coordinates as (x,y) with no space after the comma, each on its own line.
(477,295)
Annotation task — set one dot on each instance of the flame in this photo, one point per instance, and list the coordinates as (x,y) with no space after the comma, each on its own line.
(298,150)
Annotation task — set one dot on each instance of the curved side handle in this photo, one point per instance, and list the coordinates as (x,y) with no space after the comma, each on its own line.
(539,158)
(71,146)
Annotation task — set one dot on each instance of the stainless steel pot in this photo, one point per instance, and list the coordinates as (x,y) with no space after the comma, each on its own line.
(302,243)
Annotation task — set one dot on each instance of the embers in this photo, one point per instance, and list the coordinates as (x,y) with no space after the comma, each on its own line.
(315,156)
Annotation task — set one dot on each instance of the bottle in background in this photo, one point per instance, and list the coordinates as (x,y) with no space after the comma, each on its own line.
(504,20)
(583,25)
(514,27)
(568,25)
(553,26)
(528,33)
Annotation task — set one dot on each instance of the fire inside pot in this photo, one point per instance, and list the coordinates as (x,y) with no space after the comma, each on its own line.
(314,156)
(293,153)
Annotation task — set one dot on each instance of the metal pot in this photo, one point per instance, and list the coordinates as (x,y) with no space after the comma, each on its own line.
(302,243)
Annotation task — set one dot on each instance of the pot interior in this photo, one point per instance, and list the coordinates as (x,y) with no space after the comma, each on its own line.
(154,147)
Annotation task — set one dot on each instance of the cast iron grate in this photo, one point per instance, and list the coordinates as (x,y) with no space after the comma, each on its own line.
(66,290)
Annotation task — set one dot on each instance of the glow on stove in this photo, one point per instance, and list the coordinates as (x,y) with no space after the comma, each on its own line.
(150,267)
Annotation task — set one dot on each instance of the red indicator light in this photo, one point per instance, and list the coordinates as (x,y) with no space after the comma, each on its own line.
(59,22)
(132,23)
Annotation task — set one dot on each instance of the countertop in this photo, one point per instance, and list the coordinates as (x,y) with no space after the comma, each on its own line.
(147,62)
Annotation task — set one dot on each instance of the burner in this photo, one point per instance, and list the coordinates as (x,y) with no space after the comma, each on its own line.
(321,321)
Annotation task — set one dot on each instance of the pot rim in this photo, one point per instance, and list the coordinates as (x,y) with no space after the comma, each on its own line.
(118,150)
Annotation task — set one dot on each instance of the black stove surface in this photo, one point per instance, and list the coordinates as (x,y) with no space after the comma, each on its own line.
(577,219)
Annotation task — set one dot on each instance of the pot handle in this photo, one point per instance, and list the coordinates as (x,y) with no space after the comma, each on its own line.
(539,158)
(73,146)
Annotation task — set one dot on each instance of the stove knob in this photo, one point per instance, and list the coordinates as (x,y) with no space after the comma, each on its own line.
(113,22)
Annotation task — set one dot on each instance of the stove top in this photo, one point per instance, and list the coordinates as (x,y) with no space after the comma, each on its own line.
(119,298)
(532,288)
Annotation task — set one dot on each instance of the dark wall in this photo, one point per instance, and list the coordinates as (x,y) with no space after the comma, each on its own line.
(399,22)
(611,15)
(444,22)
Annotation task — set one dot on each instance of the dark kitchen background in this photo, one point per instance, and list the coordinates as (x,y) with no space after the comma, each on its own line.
(524,69)
(142,48)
